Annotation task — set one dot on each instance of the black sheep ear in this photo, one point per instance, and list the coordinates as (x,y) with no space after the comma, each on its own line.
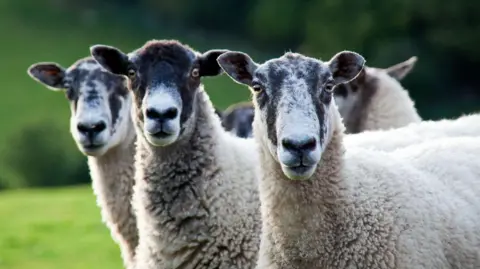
(52,75)
(345,66)
(111,58)
(208,63)
(239,66)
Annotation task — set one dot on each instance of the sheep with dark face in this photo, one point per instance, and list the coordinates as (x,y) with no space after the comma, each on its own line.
(102,128)
(196,193)
(238,119)
(375,99)
(325,205)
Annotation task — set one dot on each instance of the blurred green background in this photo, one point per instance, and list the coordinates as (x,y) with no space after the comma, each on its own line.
(61,227)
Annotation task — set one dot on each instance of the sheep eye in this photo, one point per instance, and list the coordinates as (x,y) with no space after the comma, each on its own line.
(131,73)
(195,73)
(257,88)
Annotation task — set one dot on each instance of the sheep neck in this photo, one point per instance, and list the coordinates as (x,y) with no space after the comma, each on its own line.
(112,180)
(298,209)
(171,191)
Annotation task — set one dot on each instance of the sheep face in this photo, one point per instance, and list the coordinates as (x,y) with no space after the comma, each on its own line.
(352,97)
(99,102)
(238,120)
(165,79)
(292,97)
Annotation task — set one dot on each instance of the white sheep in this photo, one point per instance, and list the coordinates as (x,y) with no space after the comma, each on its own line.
(102,128)
(327,206)
(196,193)
(375,99)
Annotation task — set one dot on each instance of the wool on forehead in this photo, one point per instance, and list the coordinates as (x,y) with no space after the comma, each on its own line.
(297,64)
(87,63)
(88,70)
(168,50)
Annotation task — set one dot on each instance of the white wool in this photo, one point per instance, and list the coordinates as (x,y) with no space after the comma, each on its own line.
(375,101)
(390,106)
(388,140)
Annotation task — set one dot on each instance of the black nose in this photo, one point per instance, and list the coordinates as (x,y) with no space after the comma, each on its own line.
(161,115)
(244,131)
(300,146)
(91,130)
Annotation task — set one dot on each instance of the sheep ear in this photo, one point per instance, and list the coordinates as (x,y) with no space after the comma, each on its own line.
(345,66)
(111,58)
(400,70)
(208,63)
(239,66)
(49,74)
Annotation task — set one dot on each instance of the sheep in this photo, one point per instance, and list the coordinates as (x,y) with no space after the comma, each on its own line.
(195,191)
(101,126)
(375,99)
(327,206)
(238,119)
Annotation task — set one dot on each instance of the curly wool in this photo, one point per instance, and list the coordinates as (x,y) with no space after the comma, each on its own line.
(369,209)
(197,199)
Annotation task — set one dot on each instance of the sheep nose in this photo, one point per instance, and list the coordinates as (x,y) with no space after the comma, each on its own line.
(91,130)
(243,131)
(300,145)
(161,115)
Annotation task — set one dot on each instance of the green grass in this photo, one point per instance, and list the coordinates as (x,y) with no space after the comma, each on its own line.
(54,228)
(43,33)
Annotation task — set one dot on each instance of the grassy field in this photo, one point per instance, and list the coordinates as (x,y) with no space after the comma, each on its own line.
(63,37)
(54,228)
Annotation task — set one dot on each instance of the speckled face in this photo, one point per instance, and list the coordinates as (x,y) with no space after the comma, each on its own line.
(293,95)
(165,78)
(99,102)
